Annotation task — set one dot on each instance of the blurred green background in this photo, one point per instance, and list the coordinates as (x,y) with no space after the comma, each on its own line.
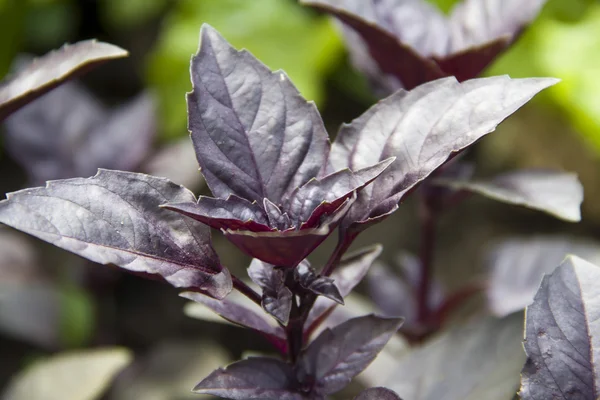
(560,129)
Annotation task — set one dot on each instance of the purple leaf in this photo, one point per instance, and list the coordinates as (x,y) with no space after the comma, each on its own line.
(339,354)
(517,266)
(115,218)
(51,70)
(286,248)
(347,275)
(557,193)
(477,360)
(562,335)
(415,43)
(240,315)
(324,286)
(377,393)
(254,134)
(254,378)
(422,129)
(67,133)
(276,297)
(318,196)
(232,213)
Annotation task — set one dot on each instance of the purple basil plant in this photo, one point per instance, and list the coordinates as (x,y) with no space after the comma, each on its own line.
(280,188)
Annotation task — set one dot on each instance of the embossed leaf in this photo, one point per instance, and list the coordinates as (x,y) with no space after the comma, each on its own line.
(422,129)
(479,360)
(67,133)
(557,193)
(408,43)
(517,266)
(254,378)
(115,218)
(49,71)
(562,335)
(263,150)
(337,355)
(377,393)
(254,134)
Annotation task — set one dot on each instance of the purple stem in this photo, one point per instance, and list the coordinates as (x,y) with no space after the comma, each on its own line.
(427,247)
(246,290)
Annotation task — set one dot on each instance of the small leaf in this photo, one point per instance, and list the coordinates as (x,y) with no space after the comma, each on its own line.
(77,375)
(306,276)
(337,355)
(237,314)
(51,70)
(254,134)
(347,275)
(479,360)
(276,297)
(517,266)
(422,129)
(253,378)
(557,193)
(377,393)
(115,218)
(561,335)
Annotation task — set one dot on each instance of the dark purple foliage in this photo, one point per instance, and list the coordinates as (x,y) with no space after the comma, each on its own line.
(67,133)
(337,355)
(115,218)
(263,150)
(422,128)
(405,43)
(561,338)
(51,70)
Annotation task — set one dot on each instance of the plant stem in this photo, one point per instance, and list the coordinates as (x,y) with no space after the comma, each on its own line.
(427,247)
(295,332)
(246,290)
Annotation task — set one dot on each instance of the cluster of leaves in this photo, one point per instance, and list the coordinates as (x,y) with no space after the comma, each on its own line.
(280,189)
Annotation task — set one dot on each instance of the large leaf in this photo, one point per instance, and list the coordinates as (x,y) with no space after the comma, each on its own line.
(67,133)
(415,43)
(422,129)
(253,378)
(477,361)
(377,393)
(561,335)
(517,266)
(254,134)
(337,355)
(115,218)
(51,70)
(557,193)
(78,375)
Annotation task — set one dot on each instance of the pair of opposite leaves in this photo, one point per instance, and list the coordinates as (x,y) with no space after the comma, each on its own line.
(265,154)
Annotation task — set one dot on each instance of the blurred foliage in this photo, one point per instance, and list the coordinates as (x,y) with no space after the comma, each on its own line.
(130,14)
(563,42)
(77,316)
(280,33)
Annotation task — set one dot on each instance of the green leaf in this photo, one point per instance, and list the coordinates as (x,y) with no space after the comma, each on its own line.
(77,316)
(280,33)
(81,375)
